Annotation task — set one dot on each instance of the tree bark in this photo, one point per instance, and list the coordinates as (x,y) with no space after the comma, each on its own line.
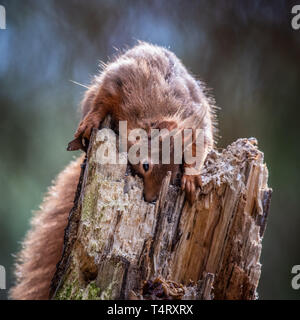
(117,246)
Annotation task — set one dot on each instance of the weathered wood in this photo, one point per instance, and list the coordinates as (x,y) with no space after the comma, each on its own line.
(119,247)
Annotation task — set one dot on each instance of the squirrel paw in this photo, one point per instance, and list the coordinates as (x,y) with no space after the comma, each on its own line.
(190,183)
(92,120)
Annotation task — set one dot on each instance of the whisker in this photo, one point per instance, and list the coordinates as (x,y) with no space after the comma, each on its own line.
(79,84)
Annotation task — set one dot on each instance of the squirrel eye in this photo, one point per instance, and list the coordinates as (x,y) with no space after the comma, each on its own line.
(146,166)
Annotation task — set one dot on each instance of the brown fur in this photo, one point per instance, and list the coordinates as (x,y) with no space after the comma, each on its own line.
(150,88)
(43,244)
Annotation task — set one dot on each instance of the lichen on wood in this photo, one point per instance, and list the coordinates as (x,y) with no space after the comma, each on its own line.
(117,246)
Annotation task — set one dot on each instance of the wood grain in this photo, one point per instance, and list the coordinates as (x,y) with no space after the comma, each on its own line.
(117,246)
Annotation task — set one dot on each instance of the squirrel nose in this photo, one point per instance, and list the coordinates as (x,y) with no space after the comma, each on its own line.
(150,198)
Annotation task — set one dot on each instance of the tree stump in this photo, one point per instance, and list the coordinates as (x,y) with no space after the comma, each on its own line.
(117,246)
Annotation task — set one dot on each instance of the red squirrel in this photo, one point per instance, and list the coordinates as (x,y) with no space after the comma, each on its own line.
(148,87)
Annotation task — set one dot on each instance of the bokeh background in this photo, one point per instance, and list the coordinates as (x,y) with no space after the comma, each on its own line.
(246,51)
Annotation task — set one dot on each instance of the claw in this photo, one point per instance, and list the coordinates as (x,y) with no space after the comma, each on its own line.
(91,120)
(192,188)
(189,184)
(183,181)
(199,181)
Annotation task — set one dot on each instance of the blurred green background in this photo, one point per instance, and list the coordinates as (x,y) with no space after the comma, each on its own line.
(246,51)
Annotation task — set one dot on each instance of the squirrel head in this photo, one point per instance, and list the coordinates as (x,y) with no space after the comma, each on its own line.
(153,173)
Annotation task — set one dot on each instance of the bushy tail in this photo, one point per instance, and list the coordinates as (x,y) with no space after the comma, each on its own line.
(42,247)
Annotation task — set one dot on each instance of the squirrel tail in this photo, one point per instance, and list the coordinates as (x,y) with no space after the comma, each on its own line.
(43,244)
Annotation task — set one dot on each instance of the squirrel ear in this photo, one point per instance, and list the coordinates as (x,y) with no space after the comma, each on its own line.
(165,124)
